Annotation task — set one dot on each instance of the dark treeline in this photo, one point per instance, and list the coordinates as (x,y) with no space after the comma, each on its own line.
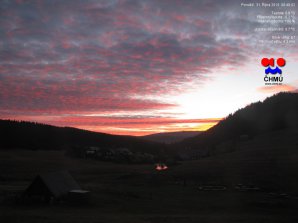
(36,136)
(275,113)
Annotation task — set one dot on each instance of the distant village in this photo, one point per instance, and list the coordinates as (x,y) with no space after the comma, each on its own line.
(120,155)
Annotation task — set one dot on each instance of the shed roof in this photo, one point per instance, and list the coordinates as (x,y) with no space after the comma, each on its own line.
(57,183)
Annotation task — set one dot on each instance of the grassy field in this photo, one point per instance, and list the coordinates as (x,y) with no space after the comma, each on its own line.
(138,193)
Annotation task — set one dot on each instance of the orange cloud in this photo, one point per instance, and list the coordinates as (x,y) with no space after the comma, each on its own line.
(124,125)
(146,129)
(276,88)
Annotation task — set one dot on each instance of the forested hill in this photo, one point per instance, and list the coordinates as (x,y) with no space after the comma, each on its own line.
(274,113)
(29,135)
(170,137)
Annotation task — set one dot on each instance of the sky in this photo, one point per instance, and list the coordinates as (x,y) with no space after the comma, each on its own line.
(134,67)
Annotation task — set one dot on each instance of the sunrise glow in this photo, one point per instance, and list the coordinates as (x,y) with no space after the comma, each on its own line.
(132,69)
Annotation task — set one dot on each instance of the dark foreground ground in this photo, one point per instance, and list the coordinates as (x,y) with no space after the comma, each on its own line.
(138,193)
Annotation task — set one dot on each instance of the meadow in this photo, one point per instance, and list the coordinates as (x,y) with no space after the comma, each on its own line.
(139,193)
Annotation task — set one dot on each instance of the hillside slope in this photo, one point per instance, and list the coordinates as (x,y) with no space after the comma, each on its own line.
(275,113)
(170,137)
(28,135)
(269,161)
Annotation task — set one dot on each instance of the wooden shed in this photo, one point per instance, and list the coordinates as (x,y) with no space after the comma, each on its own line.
(52,187)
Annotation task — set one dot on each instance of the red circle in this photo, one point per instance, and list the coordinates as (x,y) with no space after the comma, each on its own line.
(265,62)
(281,62)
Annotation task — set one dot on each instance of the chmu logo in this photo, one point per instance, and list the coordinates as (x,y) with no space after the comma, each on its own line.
(270,71)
